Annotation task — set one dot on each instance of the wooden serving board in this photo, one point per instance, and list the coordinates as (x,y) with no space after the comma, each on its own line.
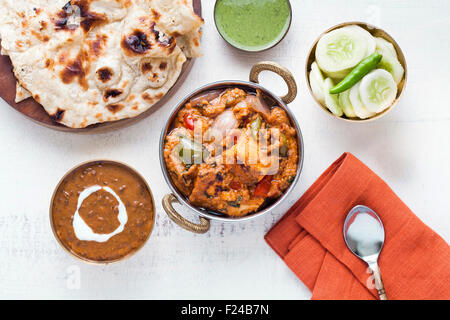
(34,111)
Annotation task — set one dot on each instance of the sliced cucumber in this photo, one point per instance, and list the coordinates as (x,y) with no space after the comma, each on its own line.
(331,100)
(371,43)
(358,106)
(378,90)
(390,61)
(344,102)
(340,50)
(338,75)
(387,44)
(317,82)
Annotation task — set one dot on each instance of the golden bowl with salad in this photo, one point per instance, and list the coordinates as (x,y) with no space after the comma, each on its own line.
(356,72)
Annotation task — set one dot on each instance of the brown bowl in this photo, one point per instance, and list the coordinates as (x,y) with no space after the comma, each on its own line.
(82,258)
(376,32)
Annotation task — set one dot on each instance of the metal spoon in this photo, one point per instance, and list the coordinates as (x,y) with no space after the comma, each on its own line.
(364,236)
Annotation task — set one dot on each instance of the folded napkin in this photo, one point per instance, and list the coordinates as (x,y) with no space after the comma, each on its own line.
(414,263)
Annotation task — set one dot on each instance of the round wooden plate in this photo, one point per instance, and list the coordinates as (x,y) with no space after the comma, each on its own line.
(34,111)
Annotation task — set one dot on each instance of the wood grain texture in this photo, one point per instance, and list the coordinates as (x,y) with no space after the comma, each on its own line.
(35,112)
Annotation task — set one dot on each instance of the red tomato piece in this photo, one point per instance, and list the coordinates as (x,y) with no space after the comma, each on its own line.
(236,185)
(263,187)
(189,121)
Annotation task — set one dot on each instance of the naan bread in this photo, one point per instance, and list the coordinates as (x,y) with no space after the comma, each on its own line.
(92,61)
(22,93)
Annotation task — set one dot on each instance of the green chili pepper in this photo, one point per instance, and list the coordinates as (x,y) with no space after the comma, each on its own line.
(235,204)
(284,147)
(363,68)
(255,125)
(191,152)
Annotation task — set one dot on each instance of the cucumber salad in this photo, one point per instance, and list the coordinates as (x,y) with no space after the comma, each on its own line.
(355,74)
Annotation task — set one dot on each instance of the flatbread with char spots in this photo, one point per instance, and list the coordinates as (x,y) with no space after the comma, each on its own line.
(92,61)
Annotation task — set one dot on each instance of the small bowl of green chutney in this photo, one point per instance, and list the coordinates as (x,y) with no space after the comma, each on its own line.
(253,25)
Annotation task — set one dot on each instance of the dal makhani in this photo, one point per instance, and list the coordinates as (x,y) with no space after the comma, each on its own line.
(102,211)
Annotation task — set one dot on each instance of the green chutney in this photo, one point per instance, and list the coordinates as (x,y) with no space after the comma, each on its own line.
(252,25)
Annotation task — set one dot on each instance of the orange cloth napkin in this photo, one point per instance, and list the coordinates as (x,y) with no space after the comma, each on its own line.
(414,263)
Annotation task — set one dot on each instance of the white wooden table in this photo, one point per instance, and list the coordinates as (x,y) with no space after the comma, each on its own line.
(409,148)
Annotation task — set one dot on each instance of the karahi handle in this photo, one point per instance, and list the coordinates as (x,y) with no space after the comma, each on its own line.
(282,72)
(200,228)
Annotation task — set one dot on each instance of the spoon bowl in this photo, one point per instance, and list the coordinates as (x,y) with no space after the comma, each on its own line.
(364,236)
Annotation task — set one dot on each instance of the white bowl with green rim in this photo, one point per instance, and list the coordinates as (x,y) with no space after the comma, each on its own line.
(253,25)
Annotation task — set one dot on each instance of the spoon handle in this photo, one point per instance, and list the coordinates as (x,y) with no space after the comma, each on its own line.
(378,281)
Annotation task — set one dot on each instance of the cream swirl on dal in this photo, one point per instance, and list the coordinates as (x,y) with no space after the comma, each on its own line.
(83,231)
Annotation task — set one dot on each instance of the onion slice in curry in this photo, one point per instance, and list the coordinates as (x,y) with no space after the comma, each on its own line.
(258,104)
(223,124)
